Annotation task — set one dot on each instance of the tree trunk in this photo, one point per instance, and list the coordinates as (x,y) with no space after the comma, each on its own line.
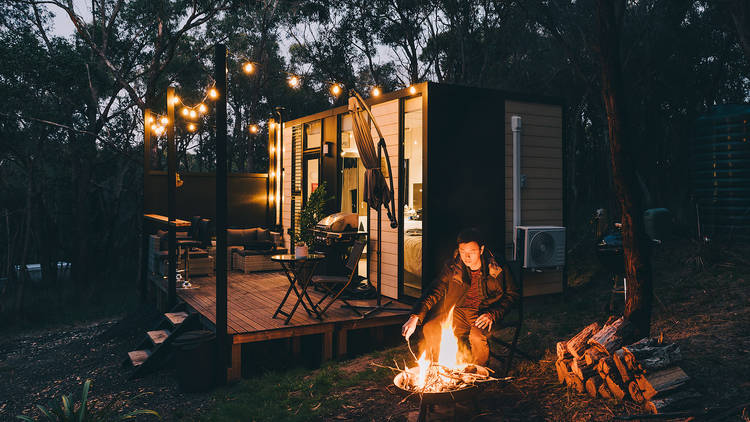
(635,242)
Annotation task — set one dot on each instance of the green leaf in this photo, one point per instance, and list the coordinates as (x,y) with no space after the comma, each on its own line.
(138,412)
(66,408)
(46,412)
(24,418)
(84,399)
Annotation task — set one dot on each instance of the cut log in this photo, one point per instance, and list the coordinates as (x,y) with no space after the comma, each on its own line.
(605,366)
(635,392)
(677,401)
(618,357)
(604,391)
(661,382)
(575,383)
(577,345)
(593,355)
(613,336)
(562,350)
(579,367)
(648,355)
(563,368)
(592,385)
(616,386)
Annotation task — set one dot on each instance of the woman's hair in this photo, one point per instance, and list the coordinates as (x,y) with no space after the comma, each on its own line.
(470,234)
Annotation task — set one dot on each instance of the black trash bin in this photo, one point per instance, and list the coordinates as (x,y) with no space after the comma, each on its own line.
(196,360)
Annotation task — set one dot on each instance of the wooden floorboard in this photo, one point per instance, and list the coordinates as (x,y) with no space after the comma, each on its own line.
(254,297)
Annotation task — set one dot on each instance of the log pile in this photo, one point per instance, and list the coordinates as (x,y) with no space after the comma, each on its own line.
(605,361)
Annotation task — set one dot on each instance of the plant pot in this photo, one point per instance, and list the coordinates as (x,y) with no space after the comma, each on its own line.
(300,251)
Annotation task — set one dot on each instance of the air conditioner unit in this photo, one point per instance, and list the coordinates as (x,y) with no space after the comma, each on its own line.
(540,246)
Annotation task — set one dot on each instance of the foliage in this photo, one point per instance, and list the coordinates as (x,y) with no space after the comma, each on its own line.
(312,212)
(69,411)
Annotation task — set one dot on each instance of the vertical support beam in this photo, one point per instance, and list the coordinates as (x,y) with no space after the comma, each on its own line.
(341,338)
(327,352)
(145,252)
(234,373)
(271,181)
(171,200)
(280,170)
(222,339)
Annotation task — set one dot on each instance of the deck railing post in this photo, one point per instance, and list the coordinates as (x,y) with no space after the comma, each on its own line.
(222,340)
(171,200)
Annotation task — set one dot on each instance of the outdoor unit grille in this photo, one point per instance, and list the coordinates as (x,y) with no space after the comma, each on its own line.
(540,246)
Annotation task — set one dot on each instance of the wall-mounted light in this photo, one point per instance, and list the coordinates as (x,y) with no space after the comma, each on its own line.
(412,90)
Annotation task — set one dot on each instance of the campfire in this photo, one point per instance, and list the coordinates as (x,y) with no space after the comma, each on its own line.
(452,372)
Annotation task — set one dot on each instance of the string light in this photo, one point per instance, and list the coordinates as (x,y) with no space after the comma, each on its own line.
(202,108)
(185,111)
(191,127)
(175,99)
(253,128)
(150,119)
(376,92)
(248,67)
(335,90)
(193,114)
(213,93)
(412,90)
(164,121)
(293,81)
(271,125)
(154,126)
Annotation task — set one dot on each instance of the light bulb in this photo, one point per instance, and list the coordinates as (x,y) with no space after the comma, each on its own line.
(213,93)
(293,81)
(202,108)
(150,119)
(412,90)
(191,127)
(185,111)
(376,92)
(335,89)
(248,68)
(253,128)
(271,125)
(273,149)
(164,121)
(154,126)
(175,99)
(193,114)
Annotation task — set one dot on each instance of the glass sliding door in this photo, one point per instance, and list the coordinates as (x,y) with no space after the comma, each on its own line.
(411,189)
(351,180)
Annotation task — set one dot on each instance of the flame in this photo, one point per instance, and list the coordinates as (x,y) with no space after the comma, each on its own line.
(448,355)
(423,365)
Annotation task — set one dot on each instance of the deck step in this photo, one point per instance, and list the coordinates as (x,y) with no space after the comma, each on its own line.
(176,318)
(158,336)
(137,357)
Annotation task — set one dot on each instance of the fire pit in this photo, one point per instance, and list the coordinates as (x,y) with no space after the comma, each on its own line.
(448,380)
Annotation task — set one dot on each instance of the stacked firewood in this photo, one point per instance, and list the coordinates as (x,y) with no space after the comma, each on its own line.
(603,361)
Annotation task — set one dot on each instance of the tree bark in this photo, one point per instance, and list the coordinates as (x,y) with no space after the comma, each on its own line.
(635,242)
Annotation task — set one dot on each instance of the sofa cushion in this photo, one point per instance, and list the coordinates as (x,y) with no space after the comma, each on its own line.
(259,245)
(263,234)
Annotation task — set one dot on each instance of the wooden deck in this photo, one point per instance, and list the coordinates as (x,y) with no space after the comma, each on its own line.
(254,297)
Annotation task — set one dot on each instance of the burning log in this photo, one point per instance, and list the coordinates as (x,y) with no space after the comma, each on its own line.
(577,345)
(613,336)
(563,369)
(561,349)
(661,382)
(647,355)
(593,384)
(676,401)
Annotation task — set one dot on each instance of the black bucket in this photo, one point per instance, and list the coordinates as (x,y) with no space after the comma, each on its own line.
(196,360)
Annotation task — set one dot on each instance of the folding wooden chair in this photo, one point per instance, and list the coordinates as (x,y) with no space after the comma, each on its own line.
(334,286)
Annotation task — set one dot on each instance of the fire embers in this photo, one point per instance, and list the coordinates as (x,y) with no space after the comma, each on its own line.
(436,378)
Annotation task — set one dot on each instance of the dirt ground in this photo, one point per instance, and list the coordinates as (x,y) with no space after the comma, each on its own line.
(701,302)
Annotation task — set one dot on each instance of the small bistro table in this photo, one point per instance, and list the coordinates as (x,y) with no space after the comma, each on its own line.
(298,271)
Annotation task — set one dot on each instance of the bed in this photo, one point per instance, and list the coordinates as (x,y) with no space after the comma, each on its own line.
(413,252)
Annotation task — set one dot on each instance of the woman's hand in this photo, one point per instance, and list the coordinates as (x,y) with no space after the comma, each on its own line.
(408,328)
(484,322)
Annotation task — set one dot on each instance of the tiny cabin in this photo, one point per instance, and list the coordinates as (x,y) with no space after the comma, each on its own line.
(451,155)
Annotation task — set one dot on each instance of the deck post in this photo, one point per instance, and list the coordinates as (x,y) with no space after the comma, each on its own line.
(327,352)
(171,201)
(234,373)
(222,339)
(341,339)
